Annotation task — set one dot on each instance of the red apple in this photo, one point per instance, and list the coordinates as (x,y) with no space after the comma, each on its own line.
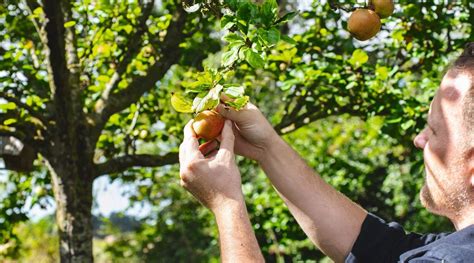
(208,124)
(363,24)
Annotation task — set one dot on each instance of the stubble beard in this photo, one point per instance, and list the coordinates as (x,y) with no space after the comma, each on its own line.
(449,204)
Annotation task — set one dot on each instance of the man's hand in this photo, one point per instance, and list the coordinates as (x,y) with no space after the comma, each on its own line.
(215,179)
(253,133)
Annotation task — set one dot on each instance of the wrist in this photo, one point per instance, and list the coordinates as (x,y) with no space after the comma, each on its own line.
(228,206)
(270,148)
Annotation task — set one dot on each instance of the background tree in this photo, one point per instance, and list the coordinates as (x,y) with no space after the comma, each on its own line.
(87,84)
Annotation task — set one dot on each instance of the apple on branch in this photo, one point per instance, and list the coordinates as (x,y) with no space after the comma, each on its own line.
(364,23)
(202,97)
(251,30)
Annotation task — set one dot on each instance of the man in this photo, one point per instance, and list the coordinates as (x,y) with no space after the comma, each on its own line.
(340,228)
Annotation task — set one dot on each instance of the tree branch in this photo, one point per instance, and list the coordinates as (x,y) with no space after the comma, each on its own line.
(122,163)
(170,54)
(334,4)
(56,46)
(22,105)
(25,131)
(30,7)
(132,50)
(298,105)
(4,132)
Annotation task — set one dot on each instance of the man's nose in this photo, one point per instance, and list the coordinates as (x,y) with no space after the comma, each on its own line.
(420,140)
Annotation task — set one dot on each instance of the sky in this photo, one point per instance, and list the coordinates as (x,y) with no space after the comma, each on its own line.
(109,197)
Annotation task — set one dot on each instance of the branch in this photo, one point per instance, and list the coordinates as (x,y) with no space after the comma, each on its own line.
(334,4)
(30,7)
(315,113)
(300,121)
(122,163)
(132,50)
(298,105)
(22,130)
(170,54)
(56,45)
(4,132)
(20,104)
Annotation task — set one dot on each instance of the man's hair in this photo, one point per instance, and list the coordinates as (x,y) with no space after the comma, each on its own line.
(465,64)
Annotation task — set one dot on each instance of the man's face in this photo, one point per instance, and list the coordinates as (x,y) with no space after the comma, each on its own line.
(447,150)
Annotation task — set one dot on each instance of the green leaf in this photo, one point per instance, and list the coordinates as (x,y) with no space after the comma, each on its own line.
(287,17)
(229,57)
(238,103)
(7,106)
(233,37)
(9,121)
(38,11)
(406,125)
(234,4)
(289,83)
(381,72)
(288,39)
(234,91)
(181,103)
(270,37)
(246,11)
(207,101)
(103,78)
(203,82)
(254,59)
(69,24)
(127,28)
(227,22)
(269,11)
(394,120)
(351,85)
(359,58)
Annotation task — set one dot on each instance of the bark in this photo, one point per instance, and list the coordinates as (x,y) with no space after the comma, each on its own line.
(72,186)
(122,163)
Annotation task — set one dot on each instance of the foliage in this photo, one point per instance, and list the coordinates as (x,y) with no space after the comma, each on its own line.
(37,241)
(349,108)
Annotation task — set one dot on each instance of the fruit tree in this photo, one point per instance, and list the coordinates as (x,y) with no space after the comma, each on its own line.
(85,87)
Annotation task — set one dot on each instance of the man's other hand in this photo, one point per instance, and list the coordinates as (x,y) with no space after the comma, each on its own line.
(213,179)
(253,133)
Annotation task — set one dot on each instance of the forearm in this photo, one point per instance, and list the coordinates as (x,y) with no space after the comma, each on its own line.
(329,218)
(237,239)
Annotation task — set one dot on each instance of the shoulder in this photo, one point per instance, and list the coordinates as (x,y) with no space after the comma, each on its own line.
(445,253)
(457,247)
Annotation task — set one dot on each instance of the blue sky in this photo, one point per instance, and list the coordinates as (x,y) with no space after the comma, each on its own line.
(109,197)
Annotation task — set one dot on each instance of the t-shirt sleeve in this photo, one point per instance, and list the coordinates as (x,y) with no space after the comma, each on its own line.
(382,242)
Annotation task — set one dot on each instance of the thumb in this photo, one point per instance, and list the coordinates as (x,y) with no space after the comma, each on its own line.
(226,149)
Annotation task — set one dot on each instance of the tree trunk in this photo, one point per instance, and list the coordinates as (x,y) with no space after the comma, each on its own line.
(72,187)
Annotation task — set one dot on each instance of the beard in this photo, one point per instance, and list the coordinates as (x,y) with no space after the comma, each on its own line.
(426,199)
(446,199)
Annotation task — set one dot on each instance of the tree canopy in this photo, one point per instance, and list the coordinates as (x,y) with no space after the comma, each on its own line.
(87,86)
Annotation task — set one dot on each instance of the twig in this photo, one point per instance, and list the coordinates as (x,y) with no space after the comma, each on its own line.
(336,5)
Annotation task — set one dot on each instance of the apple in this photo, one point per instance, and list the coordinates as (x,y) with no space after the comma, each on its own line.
(208,124)
(363,24)
(384,8)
